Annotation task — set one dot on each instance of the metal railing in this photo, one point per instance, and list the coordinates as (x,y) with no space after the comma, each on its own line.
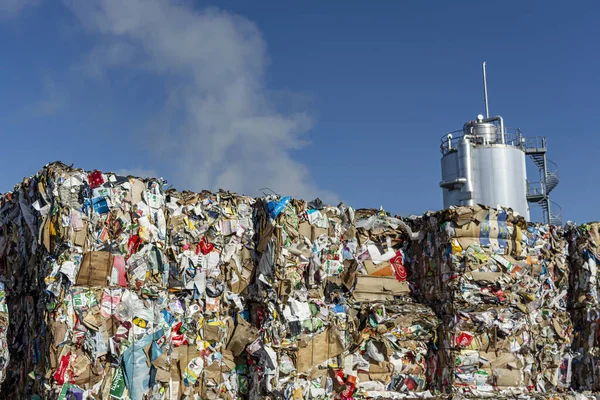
(551,167)
(512,137)
(555,214)
(551,181)
(535,142)
(535,189)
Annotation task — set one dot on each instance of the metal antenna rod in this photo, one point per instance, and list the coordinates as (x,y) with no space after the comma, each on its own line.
(485,98)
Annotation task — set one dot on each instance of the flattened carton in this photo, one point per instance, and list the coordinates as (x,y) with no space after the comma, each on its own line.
(118,390)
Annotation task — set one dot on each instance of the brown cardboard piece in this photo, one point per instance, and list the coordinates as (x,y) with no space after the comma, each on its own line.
(58,330)
(84,374)
(46,235)
(228,360)
(243,335)
(185,354)
(176,383)
(349,273)
(473,229)
(93,319)
(95,269)
(464,215)
(229,326)
(213,374)
(317,232)
(305,230)
(212,333)
(107,383)
(484,276)
(163,375)
(285,289)
(381,372)
(265,238)
(111,325)
(314,351)
(161,363)
(381,269)
(176,221)
(505,368)
(470,233)
(245,276)
(506,377)
(350,233)
(379,288)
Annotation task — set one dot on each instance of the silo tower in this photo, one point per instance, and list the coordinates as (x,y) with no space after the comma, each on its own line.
(484,163)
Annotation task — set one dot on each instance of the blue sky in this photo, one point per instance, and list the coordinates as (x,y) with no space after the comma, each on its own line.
(345,100)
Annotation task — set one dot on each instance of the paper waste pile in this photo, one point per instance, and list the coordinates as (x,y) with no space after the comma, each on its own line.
(500,289)
(334,306)
(119,288)
(4,353)
(584,304)
(115,286)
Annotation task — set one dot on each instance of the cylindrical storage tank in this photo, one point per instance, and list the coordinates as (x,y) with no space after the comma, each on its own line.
(498,176)
(453,194)
(485,131)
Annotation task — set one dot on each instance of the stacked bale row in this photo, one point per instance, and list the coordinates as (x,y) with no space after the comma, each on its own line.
(337,317)
(500,289)
(584,304)
(118,287)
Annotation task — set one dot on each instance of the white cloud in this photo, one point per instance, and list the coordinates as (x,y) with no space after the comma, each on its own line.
(105,57)
(218,125)
(12,8)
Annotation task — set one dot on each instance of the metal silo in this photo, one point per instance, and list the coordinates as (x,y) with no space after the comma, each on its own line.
(484,163)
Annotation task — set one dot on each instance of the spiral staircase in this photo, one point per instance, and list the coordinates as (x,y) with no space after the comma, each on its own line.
(539,192)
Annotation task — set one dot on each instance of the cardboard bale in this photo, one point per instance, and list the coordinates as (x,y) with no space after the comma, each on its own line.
(584,304)
(216,295)
(118,268)
(498,284)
